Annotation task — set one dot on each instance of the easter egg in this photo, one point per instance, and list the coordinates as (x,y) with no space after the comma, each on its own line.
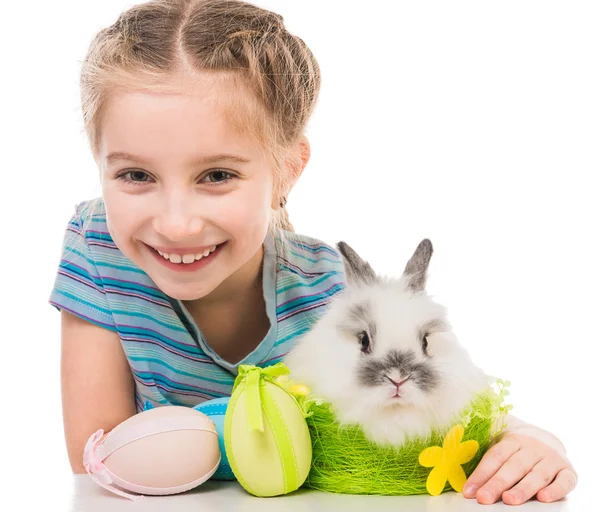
(266,435)
(215,410)
(163,450)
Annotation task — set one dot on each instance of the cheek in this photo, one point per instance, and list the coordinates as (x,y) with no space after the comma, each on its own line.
(248,211)
(342,359)
(118,207)
(121,231)
(119,218)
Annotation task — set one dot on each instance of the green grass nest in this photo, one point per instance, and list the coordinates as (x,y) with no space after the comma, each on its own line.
(345,462)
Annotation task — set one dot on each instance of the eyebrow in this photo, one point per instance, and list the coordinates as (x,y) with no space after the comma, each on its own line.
(121,155)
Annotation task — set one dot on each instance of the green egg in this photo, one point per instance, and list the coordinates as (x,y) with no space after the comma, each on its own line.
(267,439)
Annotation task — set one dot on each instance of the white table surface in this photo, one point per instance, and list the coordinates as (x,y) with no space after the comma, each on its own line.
(86,496)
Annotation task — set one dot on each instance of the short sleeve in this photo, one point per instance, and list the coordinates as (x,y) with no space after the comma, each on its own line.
(78,287)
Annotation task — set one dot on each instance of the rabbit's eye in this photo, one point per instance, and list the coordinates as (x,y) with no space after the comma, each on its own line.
(365,342)
(424,344)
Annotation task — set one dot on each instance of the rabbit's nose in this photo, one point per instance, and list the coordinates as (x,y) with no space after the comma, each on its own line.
(395,382)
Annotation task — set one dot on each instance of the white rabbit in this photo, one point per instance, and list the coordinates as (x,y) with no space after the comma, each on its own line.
(384,354)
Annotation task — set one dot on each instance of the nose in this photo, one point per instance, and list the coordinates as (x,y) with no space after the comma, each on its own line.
(397,384)
(177,220)
(395,378)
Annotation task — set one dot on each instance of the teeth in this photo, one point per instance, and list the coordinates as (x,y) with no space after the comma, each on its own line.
(186,258)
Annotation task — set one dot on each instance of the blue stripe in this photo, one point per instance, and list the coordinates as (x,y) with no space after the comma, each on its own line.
(172,368)
(127,285)
(303,301)
(319,248)
(298,332)
(312,284)
(114,266)
(144,334)
(85,303)
(105,237)
(311,260)
(172,325)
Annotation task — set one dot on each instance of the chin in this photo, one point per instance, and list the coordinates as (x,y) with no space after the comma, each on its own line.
(396,404)
(183,291)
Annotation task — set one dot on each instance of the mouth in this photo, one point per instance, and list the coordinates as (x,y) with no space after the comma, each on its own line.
(396,395)
(187,261)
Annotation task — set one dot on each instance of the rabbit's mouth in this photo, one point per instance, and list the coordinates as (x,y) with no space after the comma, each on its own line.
(396,398)
(396,395)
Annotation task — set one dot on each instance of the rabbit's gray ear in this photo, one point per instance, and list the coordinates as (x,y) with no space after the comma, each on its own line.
(416,268)
(357,269)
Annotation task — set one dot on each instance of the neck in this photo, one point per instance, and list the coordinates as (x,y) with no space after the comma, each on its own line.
(233,317)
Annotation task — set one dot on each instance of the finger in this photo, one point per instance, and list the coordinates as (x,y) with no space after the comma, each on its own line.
(515,468)
(563,484)
(538,478)
(490,463)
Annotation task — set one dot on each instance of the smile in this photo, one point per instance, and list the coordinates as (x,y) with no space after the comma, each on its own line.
(186,259)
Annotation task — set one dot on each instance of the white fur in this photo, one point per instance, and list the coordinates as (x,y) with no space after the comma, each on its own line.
(326,359)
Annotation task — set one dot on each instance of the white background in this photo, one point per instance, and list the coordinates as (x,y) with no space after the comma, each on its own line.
(475,124)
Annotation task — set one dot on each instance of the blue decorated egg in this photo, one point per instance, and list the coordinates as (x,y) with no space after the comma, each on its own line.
(215,410)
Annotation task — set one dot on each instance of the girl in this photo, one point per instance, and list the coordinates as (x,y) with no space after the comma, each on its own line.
(188,266)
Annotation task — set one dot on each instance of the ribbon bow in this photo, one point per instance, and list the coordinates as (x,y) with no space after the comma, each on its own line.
(96,468)
(252,375)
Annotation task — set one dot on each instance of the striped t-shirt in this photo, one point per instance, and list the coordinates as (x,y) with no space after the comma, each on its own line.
(170,361)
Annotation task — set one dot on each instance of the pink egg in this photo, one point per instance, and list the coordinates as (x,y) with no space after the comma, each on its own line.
(165,450)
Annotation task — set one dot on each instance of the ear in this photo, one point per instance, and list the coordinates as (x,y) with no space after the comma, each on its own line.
(357,270)
(293,167)
(416,268)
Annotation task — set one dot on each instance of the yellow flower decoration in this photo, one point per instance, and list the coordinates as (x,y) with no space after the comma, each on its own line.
(298,390)
(446,462)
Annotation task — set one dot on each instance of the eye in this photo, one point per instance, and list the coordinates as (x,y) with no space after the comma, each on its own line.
(365,342)
(134,176)
(424,344)
(217,177)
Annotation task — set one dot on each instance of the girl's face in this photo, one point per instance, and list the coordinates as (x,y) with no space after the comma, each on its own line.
(188,197)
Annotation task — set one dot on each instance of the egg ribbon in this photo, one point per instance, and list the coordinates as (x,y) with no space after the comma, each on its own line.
(95,453)
(97,470)
(252,375)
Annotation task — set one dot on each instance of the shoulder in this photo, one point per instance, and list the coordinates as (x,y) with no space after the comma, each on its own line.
(90,216)
(89,239)
(305,255)
(88,219)
(95,280)
(309,275)
(79,286)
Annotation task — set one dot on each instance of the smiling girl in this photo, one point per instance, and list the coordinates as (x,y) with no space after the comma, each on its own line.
(187,266)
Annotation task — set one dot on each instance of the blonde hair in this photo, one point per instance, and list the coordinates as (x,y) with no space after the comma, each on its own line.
(151,42)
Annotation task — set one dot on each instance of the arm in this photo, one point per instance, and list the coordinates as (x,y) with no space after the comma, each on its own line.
(518,426)
(96,384)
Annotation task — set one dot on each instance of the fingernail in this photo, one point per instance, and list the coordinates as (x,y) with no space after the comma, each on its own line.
(486,495)
(469,490)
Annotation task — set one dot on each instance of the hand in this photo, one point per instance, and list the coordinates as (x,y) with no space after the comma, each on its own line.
(518,467)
